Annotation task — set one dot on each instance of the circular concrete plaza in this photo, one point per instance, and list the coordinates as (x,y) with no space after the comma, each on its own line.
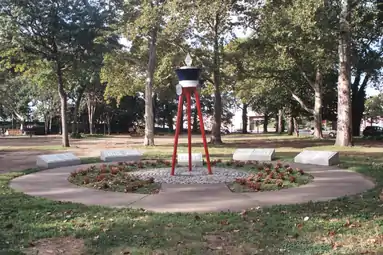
(328,183)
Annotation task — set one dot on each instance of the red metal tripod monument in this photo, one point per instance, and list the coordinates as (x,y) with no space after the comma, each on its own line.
(188,77)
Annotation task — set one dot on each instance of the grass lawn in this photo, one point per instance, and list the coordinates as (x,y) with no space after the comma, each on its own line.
(352,225)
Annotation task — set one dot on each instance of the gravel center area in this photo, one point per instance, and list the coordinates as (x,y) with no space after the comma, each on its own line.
(198,175)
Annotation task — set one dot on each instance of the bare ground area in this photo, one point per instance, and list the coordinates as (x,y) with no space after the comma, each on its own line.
(57,246)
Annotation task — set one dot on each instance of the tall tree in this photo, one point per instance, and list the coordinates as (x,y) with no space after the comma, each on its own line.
(366,55)
(148,25)
(298,36)
(214,23)
(344,129)
(374,107)
(56,31)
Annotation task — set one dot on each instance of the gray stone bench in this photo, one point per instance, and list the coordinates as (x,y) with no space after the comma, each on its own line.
(183,159)
(120,155)
(322,158)
(254,154)
(57,160)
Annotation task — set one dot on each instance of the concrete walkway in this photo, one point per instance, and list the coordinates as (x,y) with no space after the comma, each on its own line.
(328,183)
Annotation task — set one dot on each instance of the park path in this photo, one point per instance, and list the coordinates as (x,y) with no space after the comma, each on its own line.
(328,183)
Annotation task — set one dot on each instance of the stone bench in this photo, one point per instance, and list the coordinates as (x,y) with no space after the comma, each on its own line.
(120,155)
(254,154)
(57,160)
(183,159)
(322,158)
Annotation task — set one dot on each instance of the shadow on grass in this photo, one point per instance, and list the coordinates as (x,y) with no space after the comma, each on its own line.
(275,230)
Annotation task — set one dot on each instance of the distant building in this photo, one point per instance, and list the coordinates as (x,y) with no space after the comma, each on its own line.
(254,121)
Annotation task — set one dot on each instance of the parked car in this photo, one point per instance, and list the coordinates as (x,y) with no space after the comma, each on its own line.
(373,131)
(326,132)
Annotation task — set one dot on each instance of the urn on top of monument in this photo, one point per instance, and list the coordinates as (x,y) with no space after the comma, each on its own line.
(188,75)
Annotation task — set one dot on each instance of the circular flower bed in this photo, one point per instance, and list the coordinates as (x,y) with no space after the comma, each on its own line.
(117,177)
(268,176)
(146,177)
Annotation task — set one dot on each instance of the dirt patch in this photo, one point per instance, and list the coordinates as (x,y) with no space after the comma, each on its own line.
(223,244)
(57,246)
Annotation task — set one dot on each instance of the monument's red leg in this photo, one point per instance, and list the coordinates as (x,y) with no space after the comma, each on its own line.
(180,104)
(198,103)
(188,99)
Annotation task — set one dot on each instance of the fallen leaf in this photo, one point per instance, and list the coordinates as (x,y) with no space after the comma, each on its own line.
(306,218)
(236,230)
(336,245)
(299,226)
(347,223)
(331,233)
(224,222)
(243,213)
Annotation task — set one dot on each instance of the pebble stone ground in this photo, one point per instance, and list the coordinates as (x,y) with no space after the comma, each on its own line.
(198,175)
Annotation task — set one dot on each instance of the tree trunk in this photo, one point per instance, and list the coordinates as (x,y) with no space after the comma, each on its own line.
(170,122)
(50,123)
(149,116)
(276,124)
(75,112)
(318,105)
(91,110)
(46,124)
(181,127)
(244,118)
(291,126)
(280,121)
(195,120)
(63,101)
(265,123)
(108,122)
(296,126)
(358,100)
(216,129)
(344,129)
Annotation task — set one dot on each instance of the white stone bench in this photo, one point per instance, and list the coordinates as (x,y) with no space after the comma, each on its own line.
(183,159)
(57,160)
(120,155)
(254,154)
(322,158)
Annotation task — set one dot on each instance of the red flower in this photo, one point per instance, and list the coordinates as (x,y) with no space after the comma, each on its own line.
(100,177)
(241,181)
(86,180)
(292,179)
(114,170)
(281,176)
